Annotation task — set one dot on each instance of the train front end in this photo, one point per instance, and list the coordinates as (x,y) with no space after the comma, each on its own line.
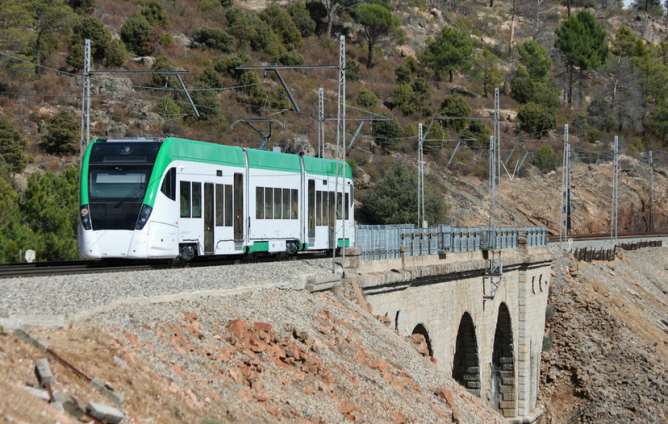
(115,198)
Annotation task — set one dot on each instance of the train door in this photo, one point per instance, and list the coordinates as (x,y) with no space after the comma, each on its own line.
(208,218)
(332,221)
(238,208)
(311,212)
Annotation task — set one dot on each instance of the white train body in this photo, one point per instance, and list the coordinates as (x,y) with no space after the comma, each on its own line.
(161,199)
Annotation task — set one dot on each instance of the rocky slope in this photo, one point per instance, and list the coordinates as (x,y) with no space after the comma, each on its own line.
(273,355)
(608,333)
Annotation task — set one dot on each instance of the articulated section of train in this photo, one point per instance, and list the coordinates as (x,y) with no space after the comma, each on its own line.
(173,198)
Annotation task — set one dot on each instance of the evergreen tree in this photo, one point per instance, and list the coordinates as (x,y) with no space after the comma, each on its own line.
(486,70)
(387,133)
(214,39)
(82,6)
(138,35)
(94,30)
(455,106)
(155,14)
(302,19)
(393,199)
(366,98)
(450,51)
(12,147)
(282,24)
(62,135)
(353,71)
(582,40)
(32,23)
(114,54)
(378,24)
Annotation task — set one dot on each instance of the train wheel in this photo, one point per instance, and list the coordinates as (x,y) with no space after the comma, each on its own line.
(186,254)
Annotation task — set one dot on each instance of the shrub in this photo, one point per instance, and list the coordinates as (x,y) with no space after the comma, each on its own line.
(579,122)
(62,134)
(479,131)
(82,6)
(593,135)
(207,103)
(455,106)
(387,133)
(291,58)
(12,147)
(163,63)
(225,65)
(403,74)
(603,123)
(529,116)
(545,159)
(366,98)
(282,24)
(227,3)
(208,6)
(353,72)
(114,54)
(76,57)
(155,14)
(243,31)
(265,40)
(166,39)
(94,30)
(302,19)
(214,39)
(404,98)
(138,35)
(210,78)
(232,14)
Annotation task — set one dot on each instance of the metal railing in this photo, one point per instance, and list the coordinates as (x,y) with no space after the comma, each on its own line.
(384,241)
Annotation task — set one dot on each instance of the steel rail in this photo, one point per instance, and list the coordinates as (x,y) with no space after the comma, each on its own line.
(36,269)
(606,236)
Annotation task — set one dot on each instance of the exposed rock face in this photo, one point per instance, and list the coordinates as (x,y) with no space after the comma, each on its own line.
(610,348)
(299,145)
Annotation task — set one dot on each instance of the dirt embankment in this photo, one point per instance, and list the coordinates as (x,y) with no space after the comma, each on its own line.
(273,355)
(609,337)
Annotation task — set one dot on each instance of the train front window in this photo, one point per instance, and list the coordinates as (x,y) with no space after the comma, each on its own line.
(118,178)
(119,183)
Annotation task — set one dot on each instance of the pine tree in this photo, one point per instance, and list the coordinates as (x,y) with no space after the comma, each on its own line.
(450,51)
(12,147)
(582,40)
(378,24)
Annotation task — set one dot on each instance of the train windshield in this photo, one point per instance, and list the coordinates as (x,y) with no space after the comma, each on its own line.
(118,177)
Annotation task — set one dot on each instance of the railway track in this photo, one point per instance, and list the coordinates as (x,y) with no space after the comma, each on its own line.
(606,236)
(101,265)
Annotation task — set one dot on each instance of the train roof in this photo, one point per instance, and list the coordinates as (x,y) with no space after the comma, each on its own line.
(199,151)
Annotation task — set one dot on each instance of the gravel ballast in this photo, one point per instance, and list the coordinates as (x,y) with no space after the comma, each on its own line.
(77,297)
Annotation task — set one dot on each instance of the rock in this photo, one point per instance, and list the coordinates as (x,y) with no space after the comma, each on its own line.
(406,51)
(144,60)
(299,145)
(116,130)
(105,413)
(237,327)
(182,40)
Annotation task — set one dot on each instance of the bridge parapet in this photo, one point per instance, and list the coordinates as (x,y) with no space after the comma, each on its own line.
(385,241)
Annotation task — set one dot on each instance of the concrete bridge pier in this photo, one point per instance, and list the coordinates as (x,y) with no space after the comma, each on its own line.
(489,342)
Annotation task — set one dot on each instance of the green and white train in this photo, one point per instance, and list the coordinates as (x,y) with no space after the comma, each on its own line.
(145,198)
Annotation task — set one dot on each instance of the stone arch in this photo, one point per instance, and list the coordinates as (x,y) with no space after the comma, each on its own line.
(422,330)
(502,384)
(466,365)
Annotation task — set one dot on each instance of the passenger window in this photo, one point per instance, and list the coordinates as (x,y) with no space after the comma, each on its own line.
(277,203)
(259,202)
(185,199)
(286,203)
(169,184)
(219,205)
(295,204)
(228,205)
(318,208)
(269,203)
(197,200)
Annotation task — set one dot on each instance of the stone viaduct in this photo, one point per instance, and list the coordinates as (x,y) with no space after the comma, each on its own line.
(490,342)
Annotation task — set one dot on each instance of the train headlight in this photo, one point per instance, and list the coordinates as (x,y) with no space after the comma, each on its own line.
(144,214)
(85,217)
